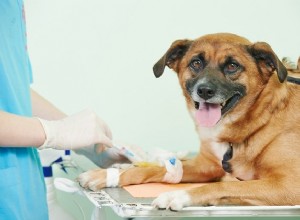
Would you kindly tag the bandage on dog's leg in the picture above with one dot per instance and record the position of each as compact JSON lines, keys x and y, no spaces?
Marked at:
{"x":174,"y":170}
{"x":112,"y":177}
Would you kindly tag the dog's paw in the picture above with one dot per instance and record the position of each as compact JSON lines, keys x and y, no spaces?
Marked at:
{"x":93,"y":179}
{"x":174,"y":200}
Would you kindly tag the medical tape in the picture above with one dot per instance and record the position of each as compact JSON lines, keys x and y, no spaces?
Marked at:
{"x":112,"y":177}
{"x":174,"y":170}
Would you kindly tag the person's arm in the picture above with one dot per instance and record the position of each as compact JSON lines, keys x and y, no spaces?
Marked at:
{"x":54,"y":130}
{"x":97,"y":153}
{"x":42,"y":108}
{"x":84,"y":130}
{"x":17,"y":131}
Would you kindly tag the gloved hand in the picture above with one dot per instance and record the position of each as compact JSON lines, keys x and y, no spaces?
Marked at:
{"x":79,"y":130}
{"x":102,"y":156}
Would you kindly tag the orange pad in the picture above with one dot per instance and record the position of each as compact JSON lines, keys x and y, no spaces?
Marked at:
{"x":152,"y":190}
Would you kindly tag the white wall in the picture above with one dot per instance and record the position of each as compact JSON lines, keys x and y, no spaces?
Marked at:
{"x":99,"y":54}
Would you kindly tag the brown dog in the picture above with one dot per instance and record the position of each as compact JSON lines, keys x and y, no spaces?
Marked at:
{"x":246,"y":111}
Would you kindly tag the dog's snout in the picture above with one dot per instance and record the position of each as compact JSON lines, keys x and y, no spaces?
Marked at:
{"x":206,"y":92}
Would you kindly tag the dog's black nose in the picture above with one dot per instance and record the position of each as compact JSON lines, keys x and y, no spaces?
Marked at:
{"x":206,"y":92}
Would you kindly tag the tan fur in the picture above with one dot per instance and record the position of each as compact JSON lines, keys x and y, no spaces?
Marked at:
{"x":264,"y":128}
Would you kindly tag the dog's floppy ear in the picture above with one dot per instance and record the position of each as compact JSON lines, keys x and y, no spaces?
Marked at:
{"x":267,"y":60}
{"x":171,"y":57}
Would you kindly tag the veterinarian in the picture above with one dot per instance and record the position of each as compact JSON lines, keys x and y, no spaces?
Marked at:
{"x":28,"y":122}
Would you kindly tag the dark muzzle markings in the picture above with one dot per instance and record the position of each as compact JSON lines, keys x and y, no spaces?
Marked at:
{"x":213,"y":96}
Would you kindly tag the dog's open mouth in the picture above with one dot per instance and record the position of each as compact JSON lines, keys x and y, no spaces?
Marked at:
{"x":208,"y":114}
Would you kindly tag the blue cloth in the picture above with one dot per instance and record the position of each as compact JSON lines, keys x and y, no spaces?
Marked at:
{"x":22,"y":187}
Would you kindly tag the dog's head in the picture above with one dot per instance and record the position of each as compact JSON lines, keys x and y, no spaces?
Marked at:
{"x":221,"y":74}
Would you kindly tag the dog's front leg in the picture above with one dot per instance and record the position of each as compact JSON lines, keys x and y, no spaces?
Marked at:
{"x":203,"y":168}
{"x":100,"y":178}
{"x":253,"y":192}
{"x":199,"y":169}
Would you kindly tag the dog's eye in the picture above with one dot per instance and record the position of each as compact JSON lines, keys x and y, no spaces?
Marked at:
{"x":196,"y":65}
{"x":231,"y":68}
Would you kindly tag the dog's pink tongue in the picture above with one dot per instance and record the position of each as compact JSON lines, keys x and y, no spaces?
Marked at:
{"x":208,"y":114}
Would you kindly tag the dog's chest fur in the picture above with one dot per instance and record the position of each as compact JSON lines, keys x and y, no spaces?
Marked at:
{"x":235,"y":160}
{"x":238,"y":163}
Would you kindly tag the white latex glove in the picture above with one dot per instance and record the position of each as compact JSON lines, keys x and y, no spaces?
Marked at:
{"x":79,"y":130}
{"x":103,"y":157}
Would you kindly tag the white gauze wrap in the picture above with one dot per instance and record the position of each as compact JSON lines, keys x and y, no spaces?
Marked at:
{"x":112,"y":177}
{"x":174,"y":170}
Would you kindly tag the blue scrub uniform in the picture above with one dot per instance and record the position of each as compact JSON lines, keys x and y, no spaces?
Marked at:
{"x":22,"y":187}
